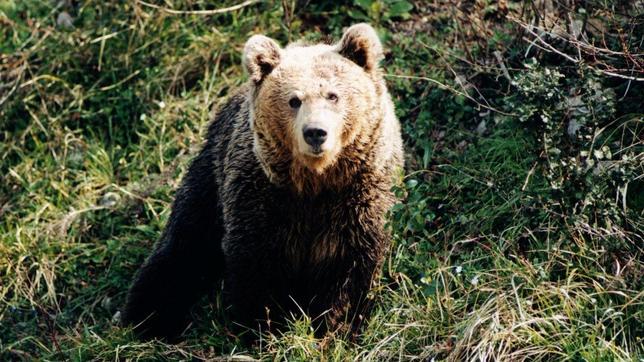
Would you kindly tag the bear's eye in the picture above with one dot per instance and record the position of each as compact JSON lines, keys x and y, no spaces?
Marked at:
{"x":295,"y":103}
{"x":332,"y":97}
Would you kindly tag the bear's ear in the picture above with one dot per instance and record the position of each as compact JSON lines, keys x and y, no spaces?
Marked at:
{"x":261,"y":56}
{"x":361,"y":45}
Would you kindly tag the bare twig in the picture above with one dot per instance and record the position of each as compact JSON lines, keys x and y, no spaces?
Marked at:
{"x":451,"y":89}
{"x":628,"y":86}
{"x":527,"y":178}
{"x":550,"y":48}
{"x":504,"y":69}
{"x":199,"y":12}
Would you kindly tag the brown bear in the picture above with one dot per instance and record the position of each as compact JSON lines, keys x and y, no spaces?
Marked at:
{"x":287,"y":199}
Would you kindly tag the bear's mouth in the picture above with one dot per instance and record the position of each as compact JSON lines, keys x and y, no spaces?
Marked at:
{"x":316,"y":151}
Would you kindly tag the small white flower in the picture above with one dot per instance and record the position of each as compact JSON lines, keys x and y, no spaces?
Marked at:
{"x":475,"y":280}
{"x":599,"y":154}
{"x":459,"y":269}
{"x":161,"y":104}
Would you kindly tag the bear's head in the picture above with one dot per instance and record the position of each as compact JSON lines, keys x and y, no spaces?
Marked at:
{"x":315,"y":108}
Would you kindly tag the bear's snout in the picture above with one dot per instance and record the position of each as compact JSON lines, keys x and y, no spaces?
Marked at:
{"x":314,"y":136}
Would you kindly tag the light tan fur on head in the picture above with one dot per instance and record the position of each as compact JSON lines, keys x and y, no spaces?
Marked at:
{"x":361,"y":45}
{"x":261,"y":55}
{"x":334,"y":89}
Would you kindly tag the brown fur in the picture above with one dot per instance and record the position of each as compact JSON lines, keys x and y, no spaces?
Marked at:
{"x":369,"y":103}
{"x":289,"y":227}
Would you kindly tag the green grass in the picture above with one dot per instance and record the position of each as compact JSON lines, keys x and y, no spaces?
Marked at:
{"x":513,"y":240}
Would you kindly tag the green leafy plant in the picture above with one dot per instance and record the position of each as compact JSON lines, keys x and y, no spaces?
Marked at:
{"x":587,"y":166}
{"x":379,"y":11}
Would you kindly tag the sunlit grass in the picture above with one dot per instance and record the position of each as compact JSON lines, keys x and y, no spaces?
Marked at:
{"x":486,"y":263}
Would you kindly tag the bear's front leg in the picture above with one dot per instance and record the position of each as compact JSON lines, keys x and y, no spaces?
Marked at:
{"x":362,"y":235}
{"x":253,"y":285}
{"x":347,"y":302}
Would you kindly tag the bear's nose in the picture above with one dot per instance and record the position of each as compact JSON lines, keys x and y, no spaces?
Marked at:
{"x":314,"y":136}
